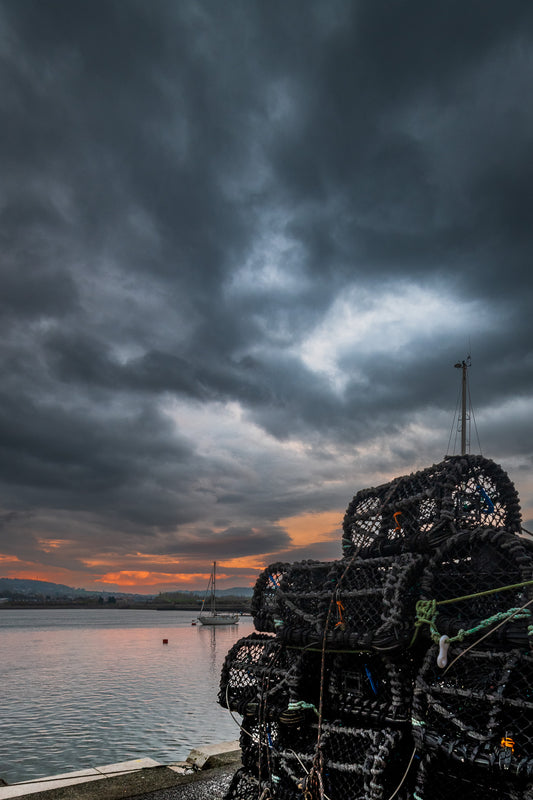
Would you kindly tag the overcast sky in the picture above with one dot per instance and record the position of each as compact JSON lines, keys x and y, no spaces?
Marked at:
{"x":243,"y":244}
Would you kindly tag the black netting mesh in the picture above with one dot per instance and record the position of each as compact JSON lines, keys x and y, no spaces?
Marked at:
{"x":367,"y":687}
{"x":435,"y":779}
{"x":245,"y":787}
{"x":259,"y":742}
{"x":243,"y":670}
{"x":356,"y":762}
{"x":342,"y":697}
{"x":355,"y":603}
{"x":418,"y":511}
{"x":264,"y":597}
{"x":480,"y":710}
{"x":261,"y":677}
{"x":476,"y":563}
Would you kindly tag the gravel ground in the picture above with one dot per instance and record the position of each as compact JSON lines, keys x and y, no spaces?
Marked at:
{"x":213,"y":787}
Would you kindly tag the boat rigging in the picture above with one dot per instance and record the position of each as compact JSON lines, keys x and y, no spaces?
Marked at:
{"x":213,"y":617}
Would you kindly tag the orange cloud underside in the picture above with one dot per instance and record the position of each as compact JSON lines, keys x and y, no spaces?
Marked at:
{"x":111,"y":559}
{"x":48,"y":545}
{"x":311,"y":528}
{"x":5,"y":559}
{"x":149,"y":572}
{"x":138,"y":578}
{"x":254,"y":564}
{"x":31,"y":571}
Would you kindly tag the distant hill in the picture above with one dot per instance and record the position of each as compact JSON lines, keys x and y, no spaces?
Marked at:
{"x":20,"y":586}
{"x":237,"y":591}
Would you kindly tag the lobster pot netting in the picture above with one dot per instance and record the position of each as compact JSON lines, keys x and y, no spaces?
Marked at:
{"x":243,"y":670}
{"x":262,"y":678}
{"x":478,"y":711}
{"x":355,"y":604}
{"x":244,"y":786}
{"x":425,"y":553}
{"x":303,"y":597}
{"x":416,"y":512}
{"x":368,"y":688}
{"x":472,"y":565}
{"x":264,"y":596}
{"x":258,"y":742}
{"x":359,"y":764}
{"x":435,"y":780}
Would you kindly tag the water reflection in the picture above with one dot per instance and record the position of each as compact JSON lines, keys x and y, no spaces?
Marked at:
{"x":210,"y":635}
{"x":85,"y":689}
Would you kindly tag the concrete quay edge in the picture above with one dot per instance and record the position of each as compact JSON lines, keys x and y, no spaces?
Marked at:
{"x":129,"y":779}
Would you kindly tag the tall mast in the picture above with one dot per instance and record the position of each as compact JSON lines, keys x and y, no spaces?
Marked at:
{"x":463,"y":365}
{"x":214,"y":586}
{"x":463,"y":412}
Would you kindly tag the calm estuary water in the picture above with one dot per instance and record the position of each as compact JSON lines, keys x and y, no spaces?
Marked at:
{"x":83,"y":688}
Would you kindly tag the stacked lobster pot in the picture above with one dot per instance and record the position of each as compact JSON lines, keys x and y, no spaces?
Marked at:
{"x":361,"y":681}
{"x":473,"y":697}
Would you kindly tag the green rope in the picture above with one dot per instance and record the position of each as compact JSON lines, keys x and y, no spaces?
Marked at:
{"x":485,"y":623}
{"x":426,"y":614}
{"x":301,"y":705}
{"x":482,"y":594}
{"x":329,"y":650}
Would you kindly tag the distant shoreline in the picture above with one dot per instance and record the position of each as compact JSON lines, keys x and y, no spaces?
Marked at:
{"x":193,"y":607}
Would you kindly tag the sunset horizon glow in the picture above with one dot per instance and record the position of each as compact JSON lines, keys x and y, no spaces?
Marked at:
{"x":304,"y":529}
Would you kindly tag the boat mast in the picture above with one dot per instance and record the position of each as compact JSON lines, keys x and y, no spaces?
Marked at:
{"x":463,"y":365}
{"x":214,"y":586}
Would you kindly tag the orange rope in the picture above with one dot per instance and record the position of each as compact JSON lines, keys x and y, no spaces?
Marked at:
{"x":340,"y":609}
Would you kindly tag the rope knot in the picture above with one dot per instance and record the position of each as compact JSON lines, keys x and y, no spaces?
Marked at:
{"x":460,"y":635}
{"x":314,"y":782}
{"x":426,"y":614}
{"x":340,"y":609}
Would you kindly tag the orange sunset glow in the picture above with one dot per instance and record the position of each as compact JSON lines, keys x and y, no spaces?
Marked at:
{"x":306,"y":528}
{"x":8,"y":559}
{"x":130,"y":578}
{"x":151,"y":573}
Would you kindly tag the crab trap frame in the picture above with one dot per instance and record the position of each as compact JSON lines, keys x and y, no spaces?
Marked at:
{"x":402,"y":670}
{"x":417,"y":512}
{"x":354,"y":603}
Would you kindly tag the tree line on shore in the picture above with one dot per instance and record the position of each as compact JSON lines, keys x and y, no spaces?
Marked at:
{"x":24,"y":594}
{"x":161,"y":602}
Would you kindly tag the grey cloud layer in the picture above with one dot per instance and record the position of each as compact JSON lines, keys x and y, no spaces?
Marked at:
{"x":187,"y":189}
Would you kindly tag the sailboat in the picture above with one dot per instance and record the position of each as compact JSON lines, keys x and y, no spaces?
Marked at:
{"x":212,"y":617}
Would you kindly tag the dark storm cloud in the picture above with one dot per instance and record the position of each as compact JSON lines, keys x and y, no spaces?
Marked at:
{"x":237,"y":541}
{"x":208,"y":207}
{"x":68,"y":457}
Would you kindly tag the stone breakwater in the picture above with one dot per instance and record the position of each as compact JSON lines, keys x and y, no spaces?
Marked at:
{"x":206,"y":773}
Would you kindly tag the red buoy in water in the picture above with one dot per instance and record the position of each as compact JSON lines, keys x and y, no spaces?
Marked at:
{"x":165,"y":641}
